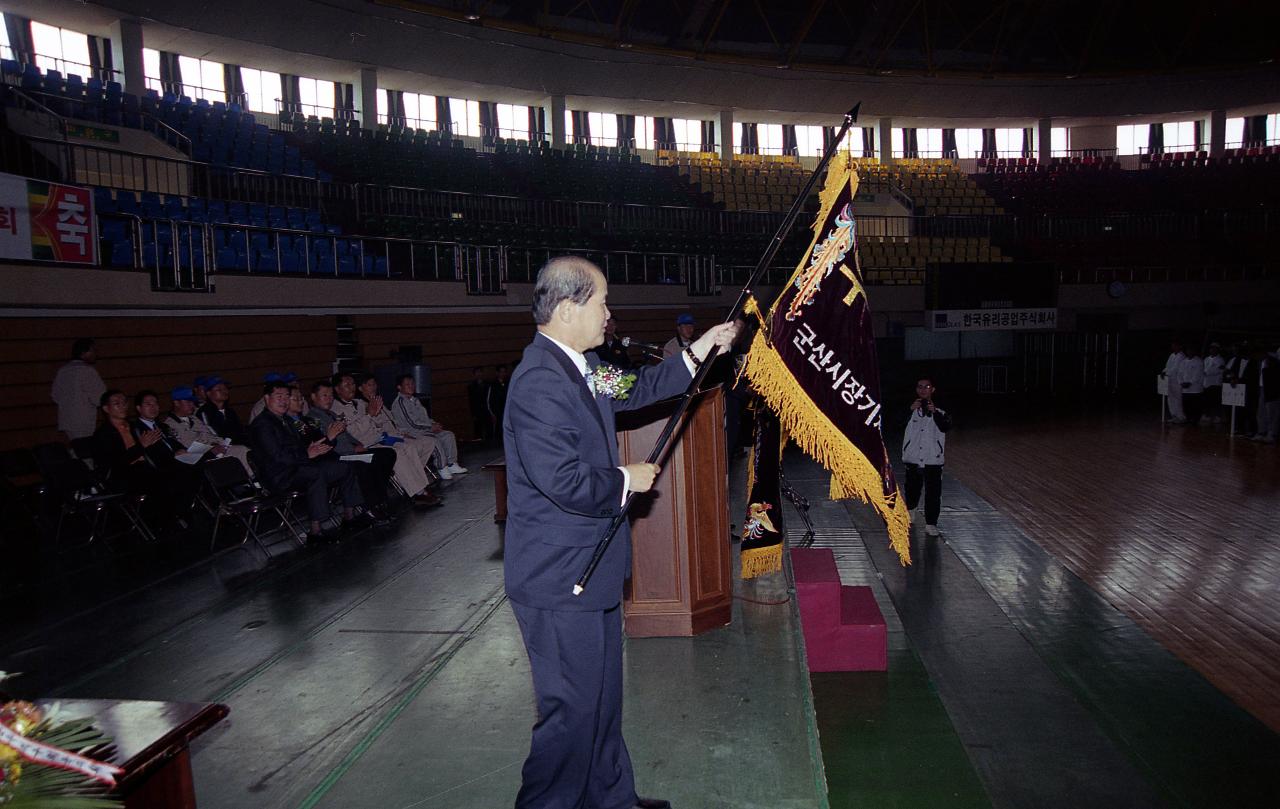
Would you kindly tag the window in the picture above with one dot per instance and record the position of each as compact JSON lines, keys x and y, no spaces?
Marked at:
{"x":644,"y":132}
{"x":1273,"y":128}
{"x":809,"y":140}
{"x":513,"y":121}
{"x":769,"y":137}
{"x":895,"y":142}
{"x":689,"y":134}
{"x":419,"y":109}
{"x":604,"y":128}
{"x":968,"y":143}
{"x":6,"y":50}
{"x":1059,"y":141}
{"x":465,"y":116}
{"x":60,"y":49}
{"x":261,"y":88}
{"x":1180,"y":136}
{"x":316,"y":97}
{"x":929,"y":142}
{"x":1235,"y":132}
{"x":202,"y":79}
{"x":1009,"y":143}
{"x":1132,"y":138}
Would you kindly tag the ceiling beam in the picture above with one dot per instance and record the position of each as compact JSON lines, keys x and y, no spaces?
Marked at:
{"x":897,"y":33}
{"x":715,"y":26}
{"x":815,"y":8}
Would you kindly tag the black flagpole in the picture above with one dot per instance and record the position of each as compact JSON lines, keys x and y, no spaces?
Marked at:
{"x":673,"y":423}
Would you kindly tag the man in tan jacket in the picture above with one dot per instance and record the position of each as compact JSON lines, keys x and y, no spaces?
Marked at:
{"x":77,"y":387}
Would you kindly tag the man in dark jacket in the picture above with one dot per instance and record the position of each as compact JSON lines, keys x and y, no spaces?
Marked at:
{"x":288,"y":463}
{"x":565,"y":485}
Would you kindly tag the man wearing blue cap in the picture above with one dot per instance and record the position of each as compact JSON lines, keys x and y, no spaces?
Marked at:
{"x":683,"y":338}
{"x":184,"y":427}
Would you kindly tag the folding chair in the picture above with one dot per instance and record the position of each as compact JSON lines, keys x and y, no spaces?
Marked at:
{"x":77,"y":492}
{"x":239,"y":499}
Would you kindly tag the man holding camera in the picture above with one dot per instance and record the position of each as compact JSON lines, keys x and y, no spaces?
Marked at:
{"x":923,"y":452}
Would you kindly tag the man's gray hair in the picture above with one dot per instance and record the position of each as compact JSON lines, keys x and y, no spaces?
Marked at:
{"x":564,"y":278}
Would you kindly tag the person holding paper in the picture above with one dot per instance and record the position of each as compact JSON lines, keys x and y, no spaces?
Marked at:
{"x":186,"y":428}
{"x":409,"y":470}
{"x":373,"y":475}
{"x":290,"y":462}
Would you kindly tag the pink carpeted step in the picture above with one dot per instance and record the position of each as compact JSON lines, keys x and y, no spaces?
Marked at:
{"x":843,"y":628}
{"x":858,"y":643}
{"x":817,"y":585}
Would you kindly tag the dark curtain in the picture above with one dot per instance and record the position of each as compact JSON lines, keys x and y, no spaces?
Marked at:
{"x":100,"y":59}
{"x":1028,"y":141}
{"x":19,"y":29}
{"x":789,"y":144}
{"x":234,"y":84}
{"x":344,"y":101}
{"x":170,"y":73}
{"x":708,"y":136}
{"x":750,"y":140}
{"x":868,"y":142}
{"x":1255,"y":130}
{"x":581,"y":126}
{"x":1198,"y":136}
{"x":626,"y":131}
{"x":989,"y":143}
{"x":828,"y":137}
{"x":444,"y":120}
{"x":290,"y":93}
{"x":537,"y":124}
{"x":949,"y":148}
{"x":396,"y":116}
{"x":910,"y":144}
{"x":664,"y":134}
{"x":488,"y":121}
{"x":1155,"y":139}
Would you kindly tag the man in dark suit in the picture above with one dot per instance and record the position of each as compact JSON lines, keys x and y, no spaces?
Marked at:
{"x":565,"y":484}
{"x":288,"y":462}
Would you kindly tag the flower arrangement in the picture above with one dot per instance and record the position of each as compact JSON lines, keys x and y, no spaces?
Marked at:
{"x":44,"y":761}
{"x":611,"y":381}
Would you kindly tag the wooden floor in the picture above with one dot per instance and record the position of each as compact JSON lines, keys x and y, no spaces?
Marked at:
{"x":1178,"y":528}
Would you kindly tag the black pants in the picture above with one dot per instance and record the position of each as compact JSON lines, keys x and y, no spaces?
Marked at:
{"x":315,"y":477}
{"x":931,"y":478}
{"x":374,"y":475}
{"x":1193,"y":407}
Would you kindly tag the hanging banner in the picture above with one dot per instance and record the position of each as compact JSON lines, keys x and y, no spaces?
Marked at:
{"x":42,"y":221}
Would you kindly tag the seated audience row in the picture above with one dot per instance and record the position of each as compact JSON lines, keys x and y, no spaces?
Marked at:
{"x":342,"y":441}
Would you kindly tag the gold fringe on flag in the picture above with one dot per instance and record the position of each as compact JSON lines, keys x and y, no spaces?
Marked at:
{"x":852,"y":474}
{"x":759,"y":561}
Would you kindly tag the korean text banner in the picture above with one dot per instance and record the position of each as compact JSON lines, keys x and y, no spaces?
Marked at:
{"x":41,"y":221}
{"x":814,"y":362}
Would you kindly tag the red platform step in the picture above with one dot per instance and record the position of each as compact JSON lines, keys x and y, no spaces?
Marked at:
{"x":843,"y":628}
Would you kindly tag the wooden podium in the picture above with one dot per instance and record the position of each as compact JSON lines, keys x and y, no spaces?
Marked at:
{"x":681,"y":579}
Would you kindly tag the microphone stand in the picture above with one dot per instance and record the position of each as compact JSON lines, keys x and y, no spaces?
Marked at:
{"x":665,"y":439}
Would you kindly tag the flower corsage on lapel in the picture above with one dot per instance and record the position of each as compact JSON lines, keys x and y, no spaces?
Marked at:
{"x":610,"y":381}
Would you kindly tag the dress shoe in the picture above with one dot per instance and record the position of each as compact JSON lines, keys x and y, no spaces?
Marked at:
{"x":652,"y":803}
{"x":427,"y":500}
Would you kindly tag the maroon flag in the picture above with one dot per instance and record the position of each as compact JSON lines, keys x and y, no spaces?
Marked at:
{"x":814,"y":362}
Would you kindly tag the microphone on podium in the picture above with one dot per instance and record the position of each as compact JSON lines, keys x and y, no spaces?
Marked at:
{"x":627,"y":342}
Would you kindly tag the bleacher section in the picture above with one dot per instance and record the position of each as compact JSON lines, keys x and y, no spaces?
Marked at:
{"x":1098,"y":185}
{"x":902,"y":260}
{"x":244,"y":237}
{"x":219,"y":134}
{"x":391,"y":156}
{"x":751,"y":183}
{"x":936,"y":187}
